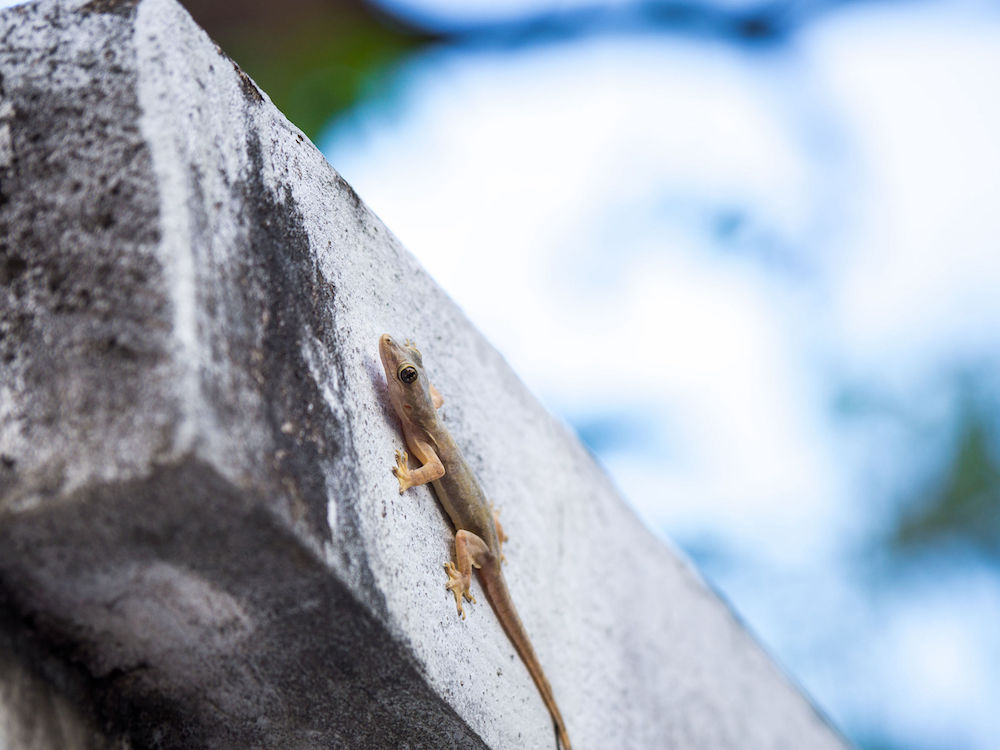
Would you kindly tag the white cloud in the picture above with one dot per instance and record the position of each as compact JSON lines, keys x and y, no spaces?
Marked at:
{"x":936,"y":659}
{"x":920,"y":100}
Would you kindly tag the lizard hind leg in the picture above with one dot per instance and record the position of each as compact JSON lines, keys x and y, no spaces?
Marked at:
{"x":470,"y":551}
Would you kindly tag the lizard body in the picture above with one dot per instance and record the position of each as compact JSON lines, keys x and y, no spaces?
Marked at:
{"x":478,"y":534}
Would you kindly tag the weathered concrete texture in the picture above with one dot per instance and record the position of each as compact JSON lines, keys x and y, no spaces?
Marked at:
{"x":201,"y":544}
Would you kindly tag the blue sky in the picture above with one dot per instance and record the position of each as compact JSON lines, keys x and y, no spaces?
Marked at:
{"x":692,"y":250}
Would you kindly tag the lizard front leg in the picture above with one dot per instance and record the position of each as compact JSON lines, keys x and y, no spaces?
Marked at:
{"x":431,"y":469}
{"x":470,"y":551}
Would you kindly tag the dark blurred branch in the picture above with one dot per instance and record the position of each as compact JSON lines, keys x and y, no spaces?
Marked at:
{"x":763,"y":24}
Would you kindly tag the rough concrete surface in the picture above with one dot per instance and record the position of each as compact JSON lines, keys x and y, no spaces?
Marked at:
{"x":201,"y":544}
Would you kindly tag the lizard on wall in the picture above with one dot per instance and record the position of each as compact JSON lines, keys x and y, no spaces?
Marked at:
{"x":478,"y":534}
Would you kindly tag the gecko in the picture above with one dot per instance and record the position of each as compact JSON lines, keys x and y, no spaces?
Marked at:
{"x":478,"y":534}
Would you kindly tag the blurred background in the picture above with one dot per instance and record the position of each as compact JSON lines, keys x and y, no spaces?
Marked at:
{"x":750,"y":251}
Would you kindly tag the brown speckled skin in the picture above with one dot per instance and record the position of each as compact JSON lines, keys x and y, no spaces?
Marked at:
{"x":477,"y":537}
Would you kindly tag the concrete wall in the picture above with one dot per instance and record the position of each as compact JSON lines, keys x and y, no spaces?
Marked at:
{"x":201,"y":543}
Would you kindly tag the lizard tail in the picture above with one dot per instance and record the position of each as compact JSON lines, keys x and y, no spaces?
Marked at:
{"x":499,"y":596}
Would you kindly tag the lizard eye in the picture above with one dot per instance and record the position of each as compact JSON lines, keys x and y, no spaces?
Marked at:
{"x":407,"y":373}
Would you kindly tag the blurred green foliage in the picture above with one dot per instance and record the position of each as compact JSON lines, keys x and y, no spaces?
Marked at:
{"x":322,"y":65}
{"x":963,"y":511}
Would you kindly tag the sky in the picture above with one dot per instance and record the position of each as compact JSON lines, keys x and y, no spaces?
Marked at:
{"x":751,"y":278}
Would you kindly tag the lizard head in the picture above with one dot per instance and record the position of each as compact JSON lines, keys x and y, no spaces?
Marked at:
{"x":409,"y":389}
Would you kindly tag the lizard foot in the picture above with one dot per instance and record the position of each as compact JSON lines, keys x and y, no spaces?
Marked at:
{"x":459,"y":586}
{"x":402,"y":471}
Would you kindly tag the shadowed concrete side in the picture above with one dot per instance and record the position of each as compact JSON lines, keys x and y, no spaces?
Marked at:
{"x":179,"y":614}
